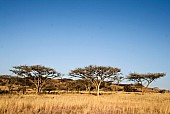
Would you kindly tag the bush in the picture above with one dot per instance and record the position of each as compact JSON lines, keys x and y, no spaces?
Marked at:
{"x":3,"y":91}
{"x":49,"y":89}
{"x":162,"y":91}
{"x":128,"y":88}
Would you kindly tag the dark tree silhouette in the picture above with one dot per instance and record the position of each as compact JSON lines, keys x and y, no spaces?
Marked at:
{"x":9,"y":81}
{"x":95,"y":74}
{"x":150,"y":77}
{"x":141,"y":78}
{"x":88,"y":85}
{"x":37,"y":74}
{"x":117,"y":79}
{"x":136,"y":78}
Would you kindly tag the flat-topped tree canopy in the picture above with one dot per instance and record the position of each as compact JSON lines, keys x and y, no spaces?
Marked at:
{"x":95,"y":74}
{"x":98,"y":72}
{"x":135,"y":77}
{"x":37,"y":74}
{"x":35,"y":71}
{"x":149,"y":77}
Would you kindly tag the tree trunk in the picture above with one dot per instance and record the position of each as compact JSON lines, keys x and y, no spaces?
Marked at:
{"x":10,"y":89}
{"x":67,"y":90}
{"x":142,"y":90}
{"x":89,"y":89}
{"x":98,"y":90}
{"x":38,"y":91}
{"x":24,"y":90}
{"x":38,"y":88}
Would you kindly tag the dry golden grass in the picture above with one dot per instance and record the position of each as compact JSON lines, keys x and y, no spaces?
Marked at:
{"x":118,"y":103}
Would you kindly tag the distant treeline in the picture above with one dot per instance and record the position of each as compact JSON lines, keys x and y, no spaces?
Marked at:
{"x":41,"y":79}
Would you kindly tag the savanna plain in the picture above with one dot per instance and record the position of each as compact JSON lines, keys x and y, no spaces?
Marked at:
{"x":115,"y":103}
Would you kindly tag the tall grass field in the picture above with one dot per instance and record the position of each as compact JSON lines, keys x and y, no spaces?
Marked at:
{"x":117,"y":103}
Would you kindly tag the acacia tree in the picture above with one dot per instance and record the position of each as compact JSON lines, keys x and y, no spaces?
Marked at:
{"x":95,"y":74}
{"x":37,"y":74}
{"x":141,"y":78}
{"x":150,"y":77}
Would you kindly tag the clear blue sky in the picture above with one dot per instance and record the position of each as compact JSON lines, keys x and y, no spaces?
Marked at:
{"x":133,"y":35}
